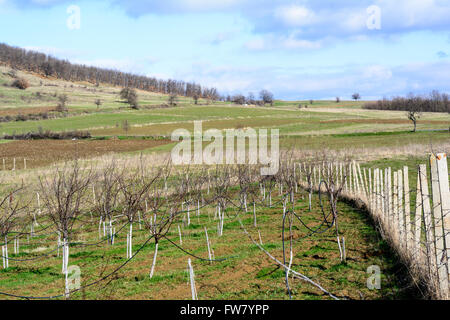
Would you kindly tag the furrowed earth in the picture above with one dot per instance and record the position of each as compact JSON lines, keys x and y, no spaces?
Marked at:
{"x":374,"y":138}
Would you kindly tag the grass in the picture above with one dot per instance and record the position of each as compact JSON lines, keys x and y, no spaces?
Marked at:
{"x":246,"y":274}
{"x":322,"y":118}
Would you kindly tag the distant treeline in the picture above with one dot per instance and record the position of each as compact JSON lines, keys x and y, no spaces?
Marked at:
{"x":32,"y":61}
{"x":434,"y":102}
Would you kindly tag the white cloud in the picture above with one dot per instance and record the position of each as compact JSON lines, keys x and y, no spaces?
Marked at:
{"x":316,"y":19}
{"x":293,"y":43}
{"x":372,"y":81}
{"x":280,"y":42}
{"x":377,"y":72}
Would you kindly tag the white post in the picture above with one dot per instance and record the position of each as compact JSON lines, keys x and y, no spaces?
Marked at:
{"x":401,"y":215}
{"x":445,"y":201}
{"x":188,"y":215}
{"x":418,"y":219}
{"x":179,"y":233}
{"x":209,"y":247}
{"x":128,"y":245}
{"x":427,"y":218}
{"x":130,"y":250}
{"x":254,"y":214}
{"x":409,"y":238}
{"x":154,"y":260}
{"x":441,"y":255}
{"x":198,"y":208}
{"x":395,"y":204}
{"x":6,"y":252}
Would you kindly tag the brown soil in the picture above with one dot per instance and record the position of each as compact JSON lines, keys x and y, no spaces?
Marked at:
{"x":43,"y":152}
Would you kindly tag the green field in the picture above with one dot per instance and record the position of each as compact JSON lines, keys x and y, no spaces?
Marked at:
{"x":322,"y":118}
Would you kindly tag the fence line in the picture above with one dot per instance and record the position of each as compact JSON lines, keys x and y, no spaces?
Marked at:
{"x":15,"y":164}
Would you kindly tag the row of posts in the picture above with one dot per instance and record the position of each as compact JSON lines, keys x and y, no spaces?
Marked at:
{"x":15,"y":164}
{"x":420,"y":234}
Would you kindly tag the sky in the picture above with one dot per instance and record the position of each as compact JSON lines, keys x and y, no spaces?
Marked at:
{"x":304,"y":49}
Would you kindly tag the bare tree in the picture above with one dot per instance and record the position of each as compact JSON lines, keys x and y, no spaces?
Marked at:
{"x":251,"y":98}
{"x":98,"y":103}
{"x":414,"y":115}
{"x":62,"y":103}
{"x":11,"y":209}
{"x":126,"y":125}
{"x":134,"y":189}
{"x":130,"y":96}
{"x":195,"y":97}
{"x":173,"y":99}
{"x":63,"y":194}
{"x":106,"y":195}
{"x":266,"y":96}
{"x":238,"y":99}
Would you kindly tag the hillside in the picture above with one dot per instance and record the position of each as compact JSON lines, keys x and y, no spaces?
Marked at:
{"x":323,"y":123}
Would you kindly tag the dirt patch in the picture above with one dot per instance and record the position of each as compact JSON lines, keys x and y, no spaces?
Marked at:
{"x":43,"y":152}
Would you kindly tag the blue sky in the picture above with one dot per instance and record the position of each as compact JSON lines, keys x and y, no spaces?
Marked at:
{"x":297,"y":49}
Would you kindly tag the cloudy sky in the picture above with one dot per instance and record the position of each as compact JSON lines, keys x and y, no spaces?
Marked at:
{"x":298,"y":49}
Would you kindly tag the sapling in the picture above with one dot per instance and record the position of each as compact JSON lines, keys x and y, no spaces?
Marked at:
{"x":192,"y":278}
{"x":63,"y":193}
{"x":179,"y":233}
{"x":10,"y":217}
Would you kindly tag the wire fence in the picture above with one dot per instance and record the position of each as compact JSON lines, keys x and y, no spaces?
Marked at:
{"x":419,"y":230}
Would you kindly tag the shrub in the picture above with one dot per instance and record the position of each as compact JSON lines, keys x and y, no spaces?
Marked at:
{"x":41,"y":134}
{"x":21,"y":84}
{"x":62,"y":103}
{"x":130,"y":96}
{"x":173,"y":100}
